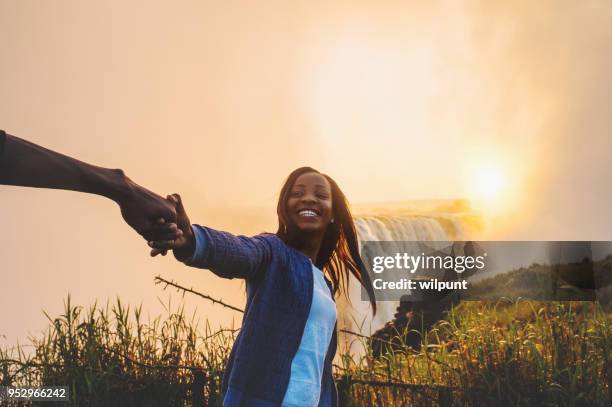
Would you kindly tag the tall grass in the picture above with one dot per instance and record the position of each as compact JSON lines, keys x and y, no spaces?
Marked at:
{"x":110,"y":356}
{"x":504,"y":354}
{"x":519,"y":353}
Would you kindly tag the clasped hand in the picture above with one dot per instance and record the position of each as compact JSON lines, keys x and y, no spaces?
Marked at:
{"x":179,"y":235}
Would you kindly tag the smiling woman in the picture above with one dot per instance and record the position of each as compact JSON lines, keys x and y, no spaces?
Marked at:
{"x":309,"y":204}
{"x":288,"y":339}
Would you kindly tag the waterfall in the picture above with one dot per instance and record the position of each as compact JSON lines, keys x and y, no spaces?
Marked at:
{"x":356,"y":316}
{"x":408,"y":228}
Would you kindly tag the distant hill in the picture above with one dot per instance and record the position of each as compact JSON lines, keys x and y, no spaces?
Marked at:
{"x":536,"y":282}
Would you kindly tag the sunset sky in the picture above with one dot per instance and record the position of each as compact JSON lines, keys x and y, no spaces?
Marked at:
{"x":507,"y":105}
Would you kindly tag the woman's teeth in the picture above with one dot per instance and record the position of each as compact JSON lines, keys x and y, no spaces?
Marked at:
{"x":307,"y":213}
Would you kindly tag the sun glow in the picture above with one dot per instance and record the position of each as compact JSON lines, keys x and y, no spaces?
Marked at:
{"x":489,"y":185}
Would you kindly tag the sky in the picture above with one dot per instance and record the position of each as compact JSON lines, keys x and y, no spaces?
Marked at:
{"x":505,"y":104}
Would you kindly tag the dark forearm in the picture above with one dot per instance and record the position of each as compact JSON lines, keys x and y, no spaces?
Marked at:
{"x":27,"y":164}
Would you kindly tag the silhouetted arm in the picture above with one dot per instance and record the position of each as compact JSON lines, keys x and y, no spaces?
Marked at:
{"x":27,"y":164}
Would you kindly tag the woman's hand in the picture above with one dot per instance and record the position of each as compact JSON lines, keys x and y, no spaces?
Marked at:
{"x":184,"y":244}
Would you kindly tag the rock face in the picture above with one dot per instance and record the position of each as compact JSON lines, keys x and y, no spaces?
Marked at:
{"x":411,"y":321}
{"x":414,"y":319}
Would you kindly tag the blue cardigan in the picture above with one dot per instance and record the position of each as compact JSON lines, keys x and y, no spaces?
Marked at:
{"x":279,"y":286}
{"x":2,"y":141}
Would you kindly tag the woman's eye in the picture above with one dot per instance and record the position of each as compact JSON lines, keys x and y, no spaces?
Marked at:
{"x":296,"y":193}
{"x":322,"y":196}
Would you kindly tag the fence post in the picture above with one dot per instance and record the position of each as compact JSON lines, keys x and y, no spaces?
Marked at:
{"x":212,"y":390}
{"x":445,"y":397}
{"x":197,"y":388}
{"x":344,"y":387}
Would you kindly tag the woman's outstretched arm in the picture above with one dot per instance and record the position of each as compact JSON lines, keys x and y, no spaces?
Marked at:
{"x":223,"y":253}
{"x":27,"y":164}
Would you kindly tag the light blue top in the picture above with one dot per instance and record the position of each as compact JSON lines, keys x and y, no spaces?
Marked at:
{"x":307,"y":366}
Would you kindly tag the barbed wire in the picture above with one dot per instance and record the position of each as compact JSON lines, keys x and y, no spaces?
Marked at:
{"x":161,"y":280}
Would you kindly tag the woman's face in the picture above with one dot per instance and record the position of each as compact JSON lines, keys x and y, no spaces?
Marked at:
{"x":309,"y":205}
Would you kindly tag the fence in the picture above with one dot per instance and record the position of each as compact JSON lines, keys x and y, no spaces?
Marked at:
{"x":351,"y":391}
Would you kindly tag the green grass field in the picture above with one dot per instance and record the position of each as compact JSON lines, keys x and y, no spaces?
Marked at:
{"x":507,"y":353}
